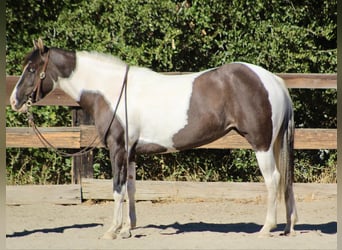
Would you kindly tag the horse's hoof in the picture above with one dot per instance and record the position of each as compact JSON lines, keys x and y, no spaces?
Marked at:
{"x":264,"y":234}
{"x":109,"y":236}
{"x":287,"y":233}
{"x":125,"y":234}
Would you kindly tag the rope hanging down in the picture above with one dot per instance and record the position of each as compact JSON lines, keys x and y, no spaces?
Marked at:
{"x":91,"y":146}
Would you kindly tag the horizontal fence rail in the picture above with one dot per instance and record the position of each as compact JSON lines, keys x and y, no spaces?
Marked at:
{"x":79,"y":137}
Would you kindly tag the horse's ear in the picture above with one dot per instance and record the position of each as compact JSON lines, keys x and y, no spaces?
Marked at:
{"x":35,"y":46}
{"x":39,"y":45}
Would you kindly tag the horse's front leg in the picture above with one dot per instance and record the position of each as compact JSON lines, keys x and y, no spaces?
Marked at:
{"x":119,"y":188}
{"x":131,"y":215}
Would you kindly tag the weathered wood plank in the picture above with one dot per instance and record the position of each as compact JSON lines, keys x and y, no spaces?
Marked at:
{"x":292,"y":80}
{"x":315,"y":138}
{"x":33,"y":194}
{"x":78,"y":137}
{"x":82,"y":165}
{"x":304,"y":139}
{"x":231,"y":140}
{"x":59,"y":137}
{"x":170,"y":190}
{"x":89,"y":136}
{"x":310,"y":81}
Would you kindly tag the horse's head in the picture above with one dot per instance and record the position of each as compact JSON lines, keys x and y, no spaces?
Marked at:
{"x":36,"y":81}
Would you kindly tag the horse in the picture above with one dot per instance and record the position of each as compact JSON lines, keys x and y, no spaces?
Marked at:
{"x":167,"y":113}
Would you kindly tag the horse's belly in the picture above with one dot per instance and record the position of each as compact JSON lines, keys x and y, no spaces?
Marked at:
{"x":161,"y":131}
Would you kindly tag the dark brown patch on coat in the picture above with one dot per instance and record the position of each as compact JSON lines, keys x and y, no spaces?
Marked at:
{"x":150,"y":148}
{"x":96,"y":105}
{"x":229,"y":97}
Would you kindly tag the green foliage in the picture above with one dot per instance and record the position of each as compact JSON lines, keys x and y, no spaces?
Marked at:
{"x":322,"y":167}
{"x":181,"y":35}
{"x":27,"y":166}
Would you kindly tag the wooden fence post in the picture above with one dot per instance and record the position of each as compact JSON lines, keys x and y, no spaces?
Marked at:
{"x":82,"y":166}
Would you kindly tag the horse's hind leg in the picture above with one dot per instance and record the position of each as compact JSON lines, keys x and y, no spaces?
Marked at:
{"x":291,"y":211}
{"x":271,"y":176}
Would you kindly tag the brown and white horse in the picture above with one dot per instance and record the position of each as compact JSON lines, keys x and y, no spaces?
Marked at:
{"x":171,"y":113}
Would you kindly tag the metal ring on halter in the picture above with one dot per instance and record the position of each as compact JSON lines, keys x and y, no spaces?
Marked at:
{"x":42,"y":75}
{"x":29,"y":102}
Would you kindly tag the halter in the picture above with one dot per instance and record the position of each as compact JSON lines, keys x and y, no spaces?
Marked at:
{"x":36,"y":90}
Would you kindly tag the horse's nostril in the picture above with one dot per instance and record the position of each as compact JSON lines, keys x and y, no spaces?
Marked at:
{"x":13,"y":102}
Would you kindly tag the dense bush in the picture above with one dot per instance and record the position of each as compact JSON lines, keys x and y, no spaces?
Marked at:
{"x":282,"y":36}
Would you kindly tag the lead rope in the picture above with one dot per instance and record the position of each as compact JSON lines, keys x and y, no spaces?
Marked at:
{"x":91,"y":146}
{"x":126,"y":132}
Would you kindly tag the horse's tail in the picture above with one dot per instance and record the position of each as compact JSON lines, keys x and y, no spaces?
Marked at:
{"x":286,"y":152}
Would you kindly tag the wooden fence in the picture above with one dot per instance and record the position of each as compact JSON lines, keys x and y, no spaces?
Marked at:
{"x":83,"y":131}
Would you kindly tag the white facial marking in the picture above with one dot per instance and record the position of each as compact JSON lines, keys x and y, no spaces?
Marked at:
{"x":13,"y":98}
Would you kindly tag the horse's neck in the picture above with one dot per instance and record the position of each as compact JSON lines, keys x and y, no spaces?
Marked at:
{"x":94,"y":73}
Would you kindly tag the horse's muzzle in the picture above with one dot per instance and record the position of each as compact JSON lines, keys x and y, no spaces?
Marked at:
{"x":19,"y":108}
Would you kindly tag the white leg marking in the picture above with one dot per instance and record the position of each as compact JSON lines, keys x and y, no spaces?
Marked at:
{"x":291,"y":211}
{"x":117,"y":217}
{"x":271,"y":175}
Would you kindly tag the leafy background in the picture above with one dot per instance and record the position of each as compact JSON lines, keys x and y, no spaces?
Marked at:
{"x":293,"y":36}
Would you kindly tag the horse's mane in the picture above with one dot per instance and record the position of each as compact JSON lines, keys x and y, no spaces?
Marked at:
{"x":104,"y":57}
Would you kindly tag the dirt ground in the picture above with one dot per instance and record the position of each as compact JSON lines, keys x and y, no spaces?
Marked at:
{"x":190,"y":224}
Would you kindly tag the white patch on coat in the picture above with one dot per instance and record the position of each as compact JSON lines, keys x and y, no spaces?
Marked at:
{"x":276,"y":88}
{"x":13,"y":98}
{"x":94,"y":72}
{"x":157,"y":103}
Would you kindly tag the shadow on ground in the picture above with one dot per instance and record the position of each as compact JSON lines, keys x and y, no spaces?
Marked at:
{"x":250,"y":228}
{"x":327,"y":228}
{"x":52,"y":230}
